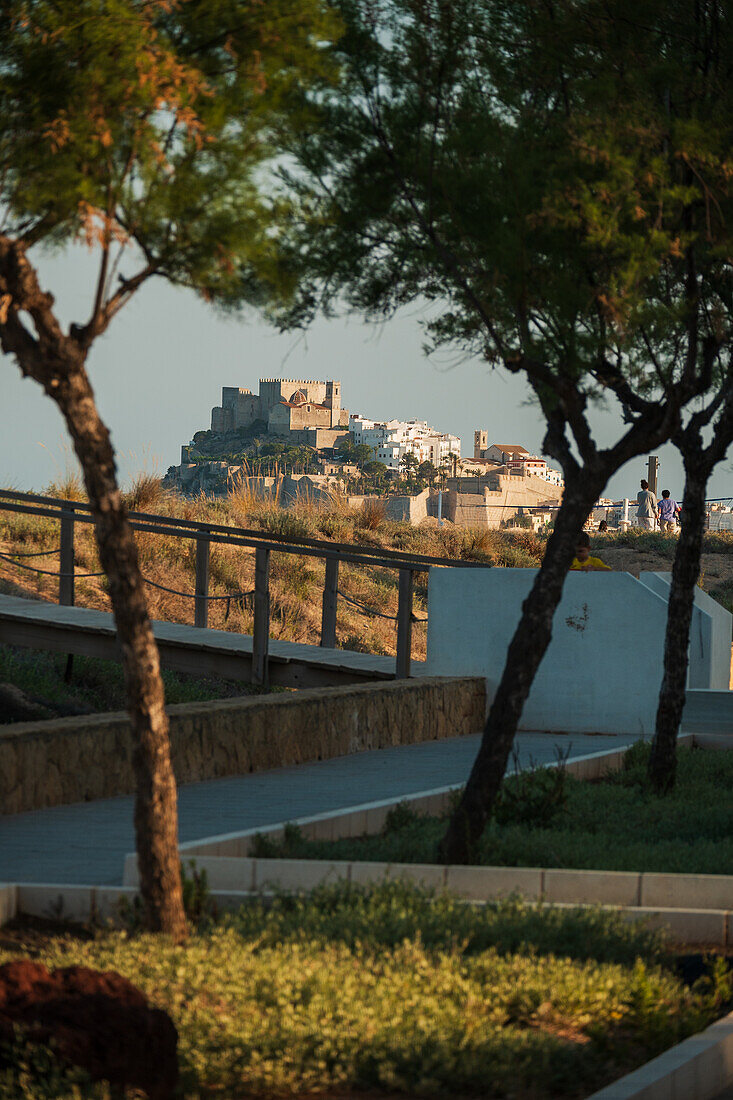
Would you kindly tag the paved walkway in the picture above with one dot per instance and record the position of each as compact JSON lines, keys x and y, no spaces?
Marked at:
{"x":87,"y":842}
{"x":224,"y":653}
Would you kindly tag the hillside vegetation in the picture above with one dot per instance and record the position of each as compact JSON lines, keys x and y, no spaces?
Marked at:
{"x":297,"y":582}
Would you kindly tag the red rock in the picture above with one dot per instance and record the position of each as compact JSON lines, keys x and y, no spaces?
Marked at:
{"x":99,"y":1021}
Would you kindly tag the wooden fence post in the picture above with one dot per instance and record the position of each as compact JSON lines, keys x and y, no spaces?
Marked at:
{"x":404,"y":624}
{"x":201,"y":602}
{"x":261,"y":631}
{"x":330,"y":603}
{"x":66,"y":557}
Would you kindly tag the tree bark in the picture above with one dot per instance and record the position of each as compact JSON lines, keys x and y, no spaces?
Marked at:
{"x":57,"y":362}
{"x":662,"y":767}
{"x":156,"y":813}
{"x":526,"y":650}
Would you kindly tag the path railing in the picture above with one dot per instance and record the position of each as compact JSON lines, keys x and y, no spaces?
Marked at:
{"x":70,"y":512}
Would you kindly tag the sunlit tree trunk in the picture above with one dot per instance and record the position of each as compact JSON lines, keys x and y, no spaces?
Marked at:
{"x":57,"y":362}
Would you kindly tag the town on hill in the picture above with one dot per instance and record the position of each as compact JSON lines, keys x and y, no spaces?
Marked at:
{"x":293,"y":439}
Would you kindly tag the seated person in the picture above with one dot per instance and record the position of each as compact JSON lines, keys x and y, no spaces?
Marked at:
{"x":582,"y":560}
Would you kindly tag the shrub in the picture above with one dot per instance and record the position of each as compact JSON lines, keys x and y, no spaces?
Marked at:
{"x":69,"y":486}
{"x":391,"y":988}
{"x":371,"y":515}
{"x":534,"y":796}
{"x":146,"y":493}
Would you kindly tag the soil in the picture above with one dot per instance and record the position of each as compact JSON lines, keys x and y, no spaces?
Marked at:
{"x":716,"y":569}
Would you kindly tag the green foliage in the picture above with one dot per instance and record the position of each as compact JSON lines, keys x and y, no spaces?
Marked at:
{"x":723,"y":593}
{"x":96,"y":685}
{"x":31,"y":1071}
{"x":543,"y":176}
{"x":634,"y":538}
{"x":199,"y":906}
{"x":286,"y":523}
{"x":154,"y":123}
{"x":390,"y":989}
{"x":534,"y":797}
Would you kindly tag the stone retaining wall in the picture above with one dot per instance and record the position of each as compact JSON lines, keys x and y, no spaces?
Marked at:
{"x":69,"y":760}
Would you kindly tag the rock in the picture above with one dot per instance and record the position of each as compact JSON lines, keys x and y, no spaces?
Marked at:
{"x":98,"y":1021}
{"x":15,"y":706}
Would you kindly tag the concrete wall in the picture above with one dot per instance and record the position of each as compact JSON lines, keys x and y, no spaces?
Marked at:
{"x":710,"y":636}
{"x":70,"y":760}
{"x":603,"y":669}
{"x":409,"y":509}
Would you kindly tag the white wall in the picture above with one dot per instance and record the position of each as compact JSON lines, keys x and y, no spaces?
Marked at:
{"x":710,"y":636}
{"x":603,"y":669}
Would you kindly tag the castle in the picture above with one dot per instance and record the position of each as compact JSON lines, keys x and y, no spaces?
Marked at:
{"x":302,"y":410}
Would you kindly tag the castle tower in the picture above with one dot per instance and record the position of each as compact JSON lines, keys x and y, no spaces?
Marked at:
{"x":333,"y":402}
{"x":480,"y":443}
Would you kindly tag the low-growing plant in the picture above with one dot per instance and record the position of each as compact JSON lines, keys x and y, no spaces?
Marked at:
{"x":96,"y":685}
{"x":146,"y":493}
{"x":515,"y":557}
{"x":723,"y":593}
{"x":612,"y":824}
{"x":529,"y":543}
{"x":533,"y":796}
{"x":199,"y":906}
{"x":371,"y":515}
{"x":391,"y":989}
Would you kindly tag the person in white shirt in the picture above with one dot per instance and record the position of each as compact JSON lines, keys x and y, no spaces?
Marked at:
{"x":646,"y":512}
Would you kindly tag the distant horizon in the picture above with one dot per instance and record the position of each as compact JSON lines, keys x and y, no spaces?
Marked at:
{"x":161,"y":367}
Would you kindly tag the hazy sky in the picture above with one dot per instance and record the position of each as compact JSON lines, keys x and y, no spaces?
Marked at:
{"x":166,"y":356}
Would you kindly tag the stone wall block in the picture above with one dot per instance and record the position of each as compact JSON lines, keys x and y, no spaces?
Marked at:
{"x":89,"y":757}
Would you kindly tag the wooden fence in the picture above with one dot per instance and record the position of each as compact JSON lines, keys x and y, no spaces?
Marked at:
{"x":70,"y":512}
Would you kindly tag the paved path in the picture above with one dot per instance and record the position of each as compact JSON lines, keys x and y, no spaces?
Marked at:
{"x":191,"y":649}
{"x":87,"y":842}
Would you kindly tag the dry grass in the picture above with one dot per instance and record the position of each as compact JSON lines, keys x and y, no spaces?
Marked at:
{"x":296,"y":583}
{"x":146,"y":493}
{"x":372,"y":515}
{"x":69,"y":486}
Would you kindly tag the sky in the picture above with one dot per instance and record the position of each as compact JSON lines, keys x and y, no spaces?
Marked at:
{"x":161,"y":366}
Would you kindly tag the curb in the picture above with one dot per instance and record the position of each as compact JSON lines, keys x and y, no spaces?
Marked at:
{"x":697,"y":1069}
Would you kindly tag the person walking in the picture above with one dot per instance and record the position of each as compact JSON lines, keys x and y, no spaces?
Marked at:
{"x":646,"y":512}
{"x":668,"y":511}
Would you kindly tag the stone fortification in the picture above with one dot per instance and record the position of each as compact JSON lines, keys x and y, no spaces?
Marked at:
{"x":282,"y":406}
{"x":492,"y":500}
{"x":69,"y":760}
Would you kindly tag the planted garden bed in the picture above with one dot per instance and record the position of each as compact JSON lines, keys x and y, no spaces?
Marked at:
{"x":546,"y":818}
{"x":392,"y":991}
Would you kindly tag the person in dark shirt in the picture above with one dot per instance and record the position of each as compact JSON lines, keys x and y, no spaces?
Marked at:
{"x":668,"y":511}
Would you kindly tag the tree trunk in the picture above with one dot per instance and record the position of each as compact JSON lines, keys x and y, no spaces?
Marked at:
{"x":685,"y":572}
{"x":526,"y":650}
{"x":156,"y":815}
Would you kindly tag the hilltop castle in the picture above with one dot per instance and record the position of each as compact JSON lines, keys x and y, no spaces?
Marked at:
{"x":302,"y":410}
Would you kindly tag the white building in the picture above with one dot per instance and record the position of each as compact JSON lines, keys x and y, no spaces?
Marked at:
{"x":533,"y":464}
{"x":391,"y":440}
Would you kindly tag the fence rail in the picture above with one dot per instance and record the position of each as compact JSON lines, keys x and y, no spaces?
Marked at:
{"x":70,"y":512}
